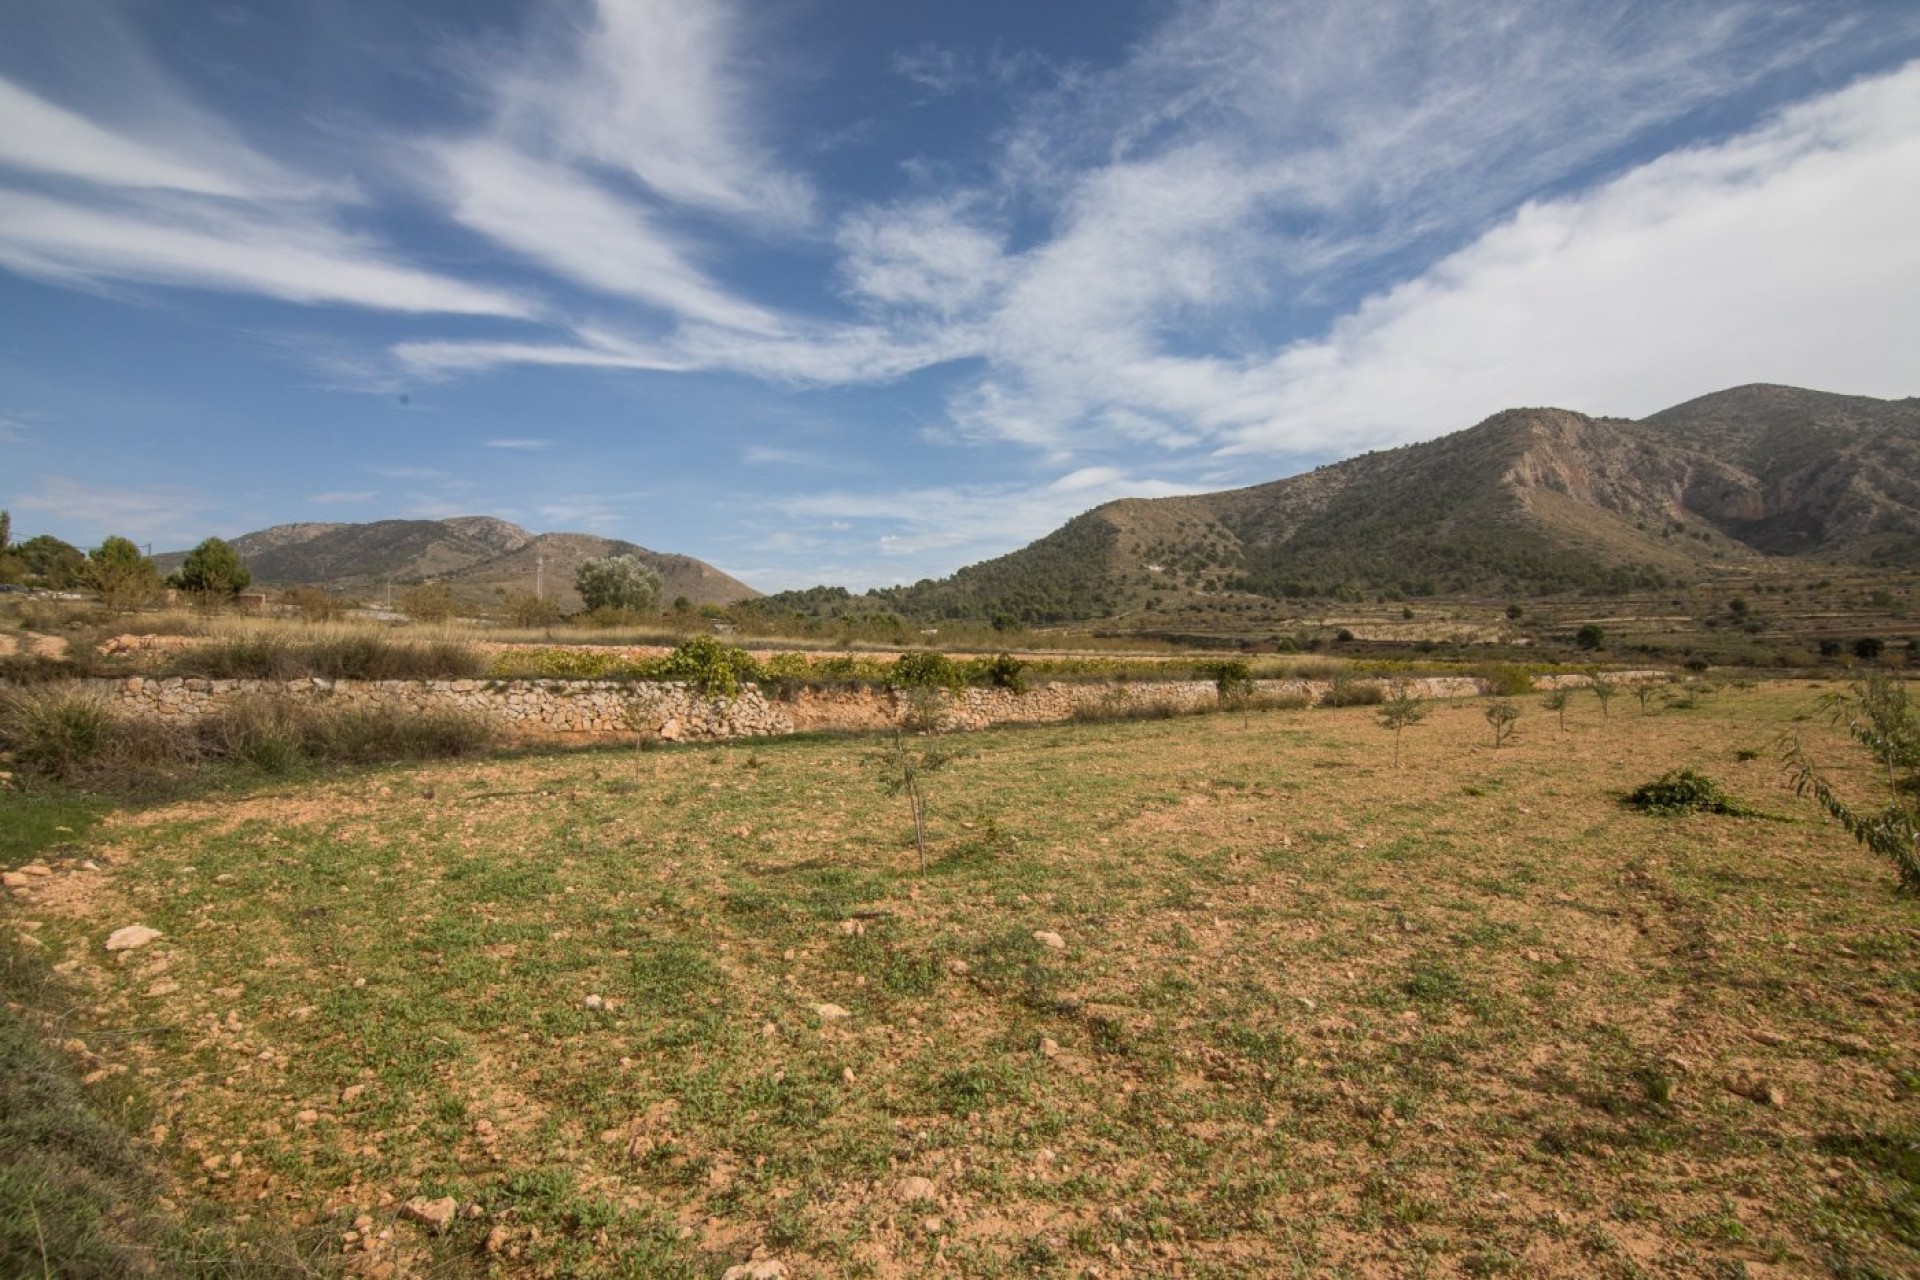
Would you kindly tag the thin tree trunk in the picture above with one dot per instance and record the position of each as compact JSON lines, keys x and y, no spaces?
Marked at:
{"x":919,"y":827}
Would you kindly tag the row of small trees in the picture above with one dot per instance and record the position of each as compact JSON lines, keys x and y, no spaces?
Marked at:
{"x":116,"y":570}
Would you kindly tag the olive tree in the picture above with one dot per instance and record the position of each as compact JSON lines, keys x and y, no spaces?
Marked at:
{"x":618,"y":582}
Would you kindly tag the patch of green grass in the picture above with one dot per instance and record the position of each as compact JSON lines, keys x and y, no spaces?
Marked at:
{"x":33,"y":822}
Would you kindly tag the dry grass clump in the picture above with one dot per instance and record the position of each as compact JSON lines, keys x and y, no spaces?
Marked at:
{"x":62,"y":734}
{"x":345,"y":655}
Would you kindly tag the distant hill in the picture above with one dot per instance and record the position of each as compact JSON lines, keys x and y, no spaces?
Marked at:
{"x":1528,"y":501}
{"x":481,"y":558}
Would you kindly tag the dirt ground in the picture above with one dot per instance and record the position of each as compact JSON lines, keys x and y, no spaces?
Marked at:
{"x":1219,"y":996}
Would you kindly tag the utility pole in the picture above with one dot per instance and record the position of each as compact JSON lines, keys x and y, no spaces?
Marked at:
{"x":539,"y":577}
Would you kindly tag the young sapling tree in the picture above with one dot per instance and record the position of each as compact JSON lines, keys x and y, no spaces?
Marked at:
{"x":1603,"y":689}
{"x":1556,"y":701}
{"x":902,"y":773}
{"x":1501,"y":713}
{"x":1878,"y":715}
{"x":1402,"y":708}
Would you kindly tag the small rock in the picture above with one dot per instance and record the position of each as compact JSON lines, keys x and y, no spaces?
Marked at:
{"x":134,"y":935}
{"x":852,"y":928}
{"x":759,"y":1269}
{"x":594,"y":1002}
{"x":1852,"y":1044}
{"x":831,"y":1012}
{"x":846,"y":1074}
{"x":1306,"y":1002}
{"x":26,"y":940}
{"x":307,"y":1116}
{"x":37,"y":869}
{"x":932,"y":1226}
{"x":352,"y":1092}
{"x":958,"y":968}
{"x":164,"y":987}
{"x":435,"y":1215}
{"x":1764,"y":1092}
{"x":1048,"y":938}
{"x":497,"y":1239}
{"x":1049,"y":1046}
{"x":1765,"y":1036}
{"x":225,"y":877}
{"x":915,"y":1189}
{"x":15,"y":880}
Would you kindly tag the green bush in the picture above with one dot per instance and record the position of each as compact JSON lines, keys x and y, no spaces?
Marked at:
{"x":1001,"y":671}
{"x":924,"y":669}
{"x":1683,"y":791}
{"x":1504,"y":680}
{"x":715,"y":669}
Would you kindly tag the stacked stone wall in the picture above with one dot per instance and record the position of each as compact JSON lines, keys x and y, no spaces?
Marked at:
{"x":677,"y":712}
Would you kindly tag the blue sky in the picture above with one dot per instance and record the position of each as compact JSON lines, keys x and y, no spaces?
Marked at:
{"x":859,"y":292}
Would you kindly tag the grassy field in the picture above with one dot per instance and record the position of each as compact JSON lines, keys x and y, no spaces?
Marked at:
{"x":660,"y":1013}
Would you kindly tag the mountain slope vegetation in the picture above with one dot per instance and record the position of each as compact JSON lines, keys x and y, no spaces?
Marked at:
{"x":1530,"y":501}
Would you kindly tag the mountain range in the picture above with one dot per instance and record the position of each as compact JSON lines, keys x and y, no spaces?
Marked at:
{"x":1530,"y":501}
{"x":482,"y":559}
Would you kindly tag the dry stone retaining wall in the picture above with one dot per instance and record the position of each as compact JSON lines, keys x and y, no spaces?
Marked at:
{"x":679,"y":713}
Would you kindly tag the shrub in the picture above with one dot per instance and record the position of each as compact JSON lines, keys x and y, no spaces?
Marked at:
{"x":67,"y":735}
{"x":313,"y":604}
{"x":428,"y":602}
{"x":1590,"y":637}
{"x":1348,"y":692}
{"x":924,"y":669}
{"x":714,"y":669}
{"x":54,"y":732}
{"x":378,"y":734}
{"x":529,"y":610}
{"x":1682,"y":791}
{"x":1504,"y":680}
{"x":262,"y":731}
{"x":263,"y":656}
{"x":1001,"y":671}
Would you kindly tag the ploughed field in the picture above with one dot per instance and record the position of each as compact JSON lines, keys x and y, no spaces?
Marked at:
{"x":1214,"y":996}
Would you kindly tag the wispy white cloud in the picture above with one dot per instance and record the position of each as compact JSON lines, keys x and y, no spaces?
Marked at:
{"x":341,"y":497}
{"x":663,"y":90}
{"x":12,"y":430}
{"x":522,"y":445}
{"x":43,"y":137}
{"x":958,"y":522}
{"x":576,"y":226}
{"x":442,"y":358}
{"x":291,"y":258}
{"x":1782,"y":255}
{"x":159,"y":513}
